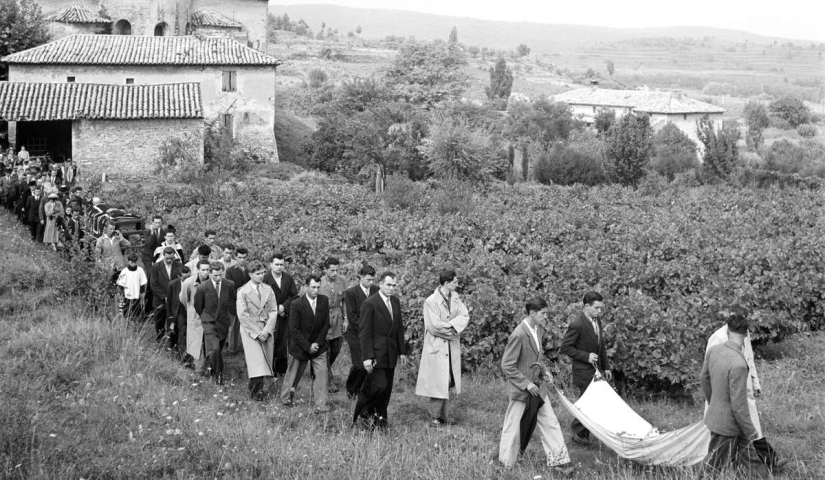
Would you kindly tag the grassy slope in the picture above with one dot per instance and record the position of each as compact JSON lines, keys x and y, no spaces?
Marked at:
{"x":87,"y":397}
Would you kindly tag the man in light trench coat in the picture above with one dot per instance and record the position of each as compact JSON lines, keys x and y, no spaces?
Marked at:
{"x":445,"y":317}
{"x":257,"y":313}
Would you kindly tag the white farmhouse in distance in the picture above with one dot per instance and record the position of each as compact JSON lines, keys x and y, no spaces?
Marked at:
{"x":663,"y":107}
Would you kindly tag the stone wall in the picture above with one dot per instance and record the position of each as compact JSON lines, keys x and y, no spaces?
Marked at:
{"x":252,"y":105}
{"x":144,"y":15}
{"x":60,"y":30}
{"x":127,"y":148}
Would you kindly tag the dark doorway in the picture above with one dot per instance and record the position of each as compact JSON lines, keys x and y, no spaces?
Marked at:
{"x":161,"y":29}
{"x":123,"y":27}
{"x":52,"y":137}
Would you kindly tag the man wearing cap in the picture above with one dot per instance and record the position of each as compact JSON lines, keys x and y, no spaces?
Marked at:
{"x":724,"y":382}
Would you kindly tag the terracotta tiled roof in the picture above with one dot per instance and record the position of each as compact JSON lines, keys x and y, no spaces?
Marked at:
{"x":72,"y":101}
{"x":638,"y":100}
{"x":140,"y":50}
{"x":211,"y":18}
{"x":78,"y":14}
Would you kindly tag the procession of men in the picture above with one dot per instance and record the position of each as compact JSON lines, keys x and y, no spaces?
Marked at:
{"x":219,"y":301}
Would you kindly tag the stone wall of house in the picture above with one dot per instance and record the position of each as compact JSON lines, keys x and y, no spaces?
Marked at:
{"x":251,"y":13}
{"x":252,"y":105}
{"x":128,"y":148}
{"x":144,"y":15}
{"x":60,"y":30}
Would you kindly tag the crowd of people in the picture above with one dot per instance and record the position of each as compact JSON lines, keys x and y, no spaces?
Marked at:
{"x":217,"y":301}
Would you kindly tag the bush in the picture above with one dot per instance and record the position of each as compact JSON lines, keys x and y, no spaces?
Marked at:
{"x":565,"y":166}
{"x":280,"y":170}
{"x":674,"y":152}
{"x":316,"y":77}
{"x":806,"y":130}
{"x":784,"y":156}
{"x":403,"y":194}
{"x":791,"y":109}
{"x":779,"y":123}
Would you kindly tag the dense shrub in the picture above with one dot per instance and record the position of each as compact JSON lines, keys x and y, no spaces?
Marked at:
{"x":563,"y":165}
{"x":316,"y":77}
{"x":402,"y":193}
{"x":666,"y":262}
{"x":791,"y":109}
{"x":674,"y":152}
{"x":806,"y":130}
{"x":779,"y":123}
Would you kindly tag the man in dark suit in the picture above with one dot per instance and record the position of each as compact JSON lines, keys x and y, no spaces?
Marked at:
{"x":381,"y":331}
{"x":176,"y":311}
{"x":153,"y":236}
{"x":237,"y":273}
{"x":584,"y":344}
{"x":285,"y":293}
{"x":160,"y":276}
{"x":308,"y":325}
{"x":33,"y":212}
{"x":353,"y":299}
{"x":214,"y":303}
{"x":724,"y":382}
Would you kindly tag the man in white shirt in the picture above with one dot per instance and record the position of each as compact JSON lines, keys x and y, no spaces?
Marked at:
{"x":170,"y":241}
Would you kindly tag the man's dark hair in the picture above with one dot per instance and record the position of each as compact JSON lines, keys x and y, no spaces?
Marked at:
{"x":591,"y":297}
{"x":738,"y":323}
{"x":171,"y":229}
{"x":366,"y":270}
{"x":204,"y":250}
{"x":535,"y":304}
{"x":242,"y":251}
{"x":210,"y":232}
{"x":278,"y":255}
{"x":330,"y":261}
{"x":446,"y":276}
{"x":229,"y":246}
{"x":216,"y":265}
{"x":184,"y":270}
{"x":313,"y":277}
{"x":132,"y":257}
{"x":204,"y":262}
{"x":385,"y":274}
{"x":168,"y":250}
{"x":254,"y":266}
{"x":157,"y":217}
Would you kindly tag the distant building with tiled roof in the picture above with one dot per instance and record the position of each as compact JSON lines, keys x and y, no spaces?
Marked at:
{"x":236,"y":87}
{"x":242,"y":20}
{"x":663,"y":107}
{"x":134,"y":50}
{"x":104,"y":128}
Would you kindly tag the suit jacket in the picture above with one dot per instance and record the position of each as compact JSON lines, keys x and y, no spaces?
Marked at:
{"x":33,"y":209}
{"x":382,"y":335}
{"x":519,"y":354}
{"x":73,"y":230}
{"x":724,"y":382}
{"x":173,"y":305}
{"x":306,"y":328}
{"x":580,"y":340}
{"x":238,"y":276}
{"x":353,"y":299}
{"x":159,"y":280}
{"x":215,"y":313}
{"x":286,"y":293}
{"x":150,"y":243}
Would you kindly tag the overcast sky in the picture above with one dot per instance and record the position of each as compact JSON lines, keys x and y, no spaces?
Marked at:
{"x":797,"y":20}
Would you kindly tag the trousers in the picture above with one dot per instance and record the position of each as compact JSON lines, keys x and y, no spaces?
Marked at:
{"x":549,"y":430}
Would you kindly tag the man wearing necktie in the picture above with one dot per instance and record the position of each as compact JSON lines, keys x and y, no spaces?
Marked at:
{"x":215,"y":304}
{"x":353,"y":299}
{"x":584,"y":344}
{"x":382,"y":348}
{"x":308,"y":327}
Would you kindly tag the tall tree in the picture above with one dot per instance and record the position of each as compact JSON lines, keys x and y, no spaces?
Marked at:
{"x":427,"y":73}
{"x":611,"y":67}
{"x":720,"y":151}
{"x":629,"y":148}
{"x":791,"y":109}
{"x":501,"y":81}
{"x":456,"y":151}
{"x":757,"y":120}
{"x":21,"y":27}
{"x":454,"y":35}
{"x":522,"y":50}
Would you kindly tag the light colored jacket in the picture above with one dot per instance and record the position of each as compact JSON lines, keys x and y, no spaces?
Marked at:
{"x":724,"y":383}
{"x":194,"y":327}
{"x":519,"y":355}
{"x":257,"y":314}
{"x":442,"y":348}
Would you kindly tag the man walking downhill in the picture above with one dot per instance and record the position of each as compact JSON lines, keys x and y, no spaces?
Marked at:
{"x":353,"y":299}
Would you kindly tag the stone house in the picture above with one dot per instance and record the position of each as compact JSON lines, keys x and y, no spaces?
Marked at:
{"x":663,"y":107}
{"x":245,"y":20}
{"x":104,"y":128}
{"x":237,"y":83}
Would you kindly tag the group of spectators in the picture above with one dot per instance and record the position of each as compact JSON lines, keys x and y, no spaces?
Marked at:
{"x":43,"y":196}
